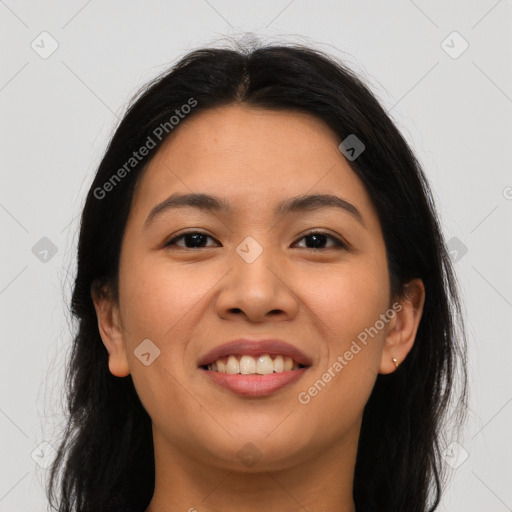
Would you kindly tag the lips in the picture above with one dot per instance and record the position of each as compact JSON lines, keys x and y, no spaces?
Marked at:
{"x":255,"y":348}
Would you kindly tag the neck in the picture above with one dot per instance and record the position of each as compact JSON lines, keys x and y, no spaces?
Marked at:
{"x":318,"y":480}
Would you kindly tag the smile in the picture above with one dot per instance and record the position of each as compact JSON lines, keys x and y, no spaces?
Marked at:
{"x":249,"y":365}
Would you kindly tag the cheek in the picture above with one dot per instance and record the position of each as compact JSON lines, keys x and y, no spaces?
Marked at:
{"x":160,"y":297}
{"x":346,"y":299}
{"x":348,"y":302}
{"x":161,"y":302}
{"x":347,"y":307}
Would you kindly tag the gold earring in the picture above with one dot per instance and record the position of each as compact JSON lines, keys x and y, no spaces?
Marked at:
{"x":395,"y":360}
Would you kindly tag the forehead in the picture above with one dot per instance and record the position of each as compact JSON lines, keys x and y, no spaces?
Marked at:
{"x":232,"y":132}
{"x":254,"y":157}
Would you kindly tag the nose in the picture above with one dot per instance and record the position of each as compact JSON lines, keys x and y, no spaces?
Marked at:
{"x":259,"y":290}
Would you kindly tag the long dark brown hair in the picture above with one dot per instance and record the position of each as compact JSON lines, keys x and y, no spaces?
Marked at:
{"x":105,"y":459}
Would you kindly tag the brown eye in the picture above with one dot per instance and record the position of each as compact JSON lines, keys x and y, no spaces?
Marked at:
{"x":193,"y":240}
{"x":317,"y":239}
{"x":314,"y":240}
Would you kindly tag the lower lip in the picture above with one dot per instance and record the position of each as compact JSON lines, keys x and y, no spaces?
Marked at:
{"x":255,"y":385}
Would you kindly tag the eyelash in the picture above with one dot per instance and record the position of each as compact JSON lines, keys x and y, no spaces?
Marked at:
{"x":338,"y":243}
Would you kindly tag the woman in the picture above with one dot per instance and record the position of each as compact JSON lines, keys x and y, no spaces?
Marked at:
{"x":268,"y":316}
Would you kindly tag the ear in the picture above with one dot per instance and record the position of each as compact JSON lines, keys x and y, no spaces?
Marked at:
{"x":109,"y":325}
{"x":402,"y":328}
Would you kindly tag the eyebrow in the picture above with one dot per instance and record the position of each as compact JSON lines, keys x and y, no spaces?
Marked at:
{"x":207,"y":202}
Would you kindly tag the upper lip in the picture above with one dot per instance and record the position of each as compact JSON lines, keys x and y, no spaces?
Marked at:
{"x":251,"y":347}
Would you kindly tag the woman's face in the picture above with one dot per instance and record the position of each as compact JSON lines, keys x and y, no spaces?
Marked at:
{"x":253,"y":272}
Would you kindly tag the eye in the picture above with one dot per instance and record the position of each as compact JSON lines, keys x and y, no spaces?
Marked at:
{"x":196,"y":239}
{"x":318,"y":238}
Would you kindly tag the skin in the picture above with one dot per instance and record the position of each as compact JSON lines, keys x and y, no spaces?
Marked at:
{"x":189,"y":300}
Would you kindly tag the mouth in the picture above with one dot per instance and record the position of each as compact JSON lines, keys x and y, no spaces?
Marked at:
{"x":254,"y":368}
{"x":254,"y":356}
{"x":245,"y":364}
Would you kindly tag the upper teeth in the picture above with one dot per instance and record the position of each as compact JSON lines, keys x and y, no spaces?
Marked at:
{"x":246,"y":365}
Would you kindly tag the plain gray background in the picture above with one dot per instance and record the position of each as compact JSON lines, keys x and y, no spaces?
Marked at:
{"x":453,"y":104}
